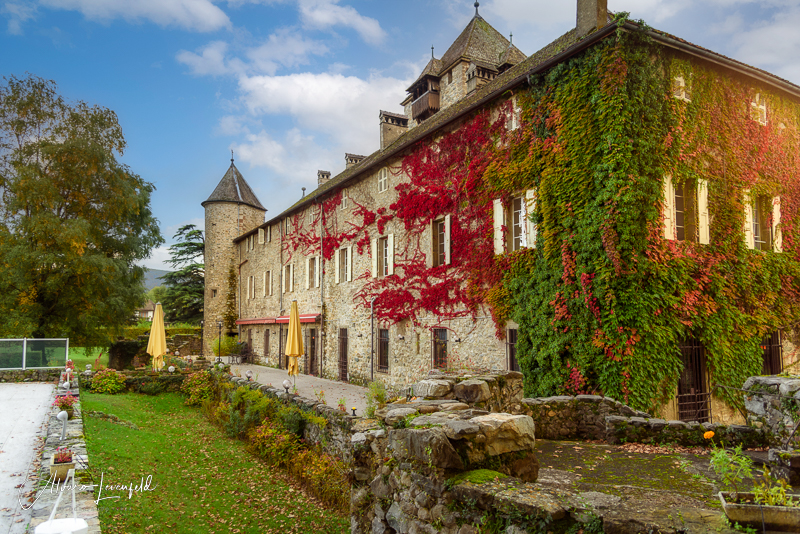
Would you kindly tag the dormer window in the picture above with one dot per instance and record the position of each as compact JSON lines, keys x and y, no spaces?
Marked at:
{"x":426,"y":98}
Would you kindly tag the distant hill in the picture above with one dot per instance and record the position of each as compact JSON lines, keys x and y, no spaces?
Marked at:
{"x":151,"y":278}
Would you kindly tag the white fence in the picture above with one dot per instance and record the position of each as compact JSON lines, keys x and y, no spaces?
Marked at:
{"x":33,"y":353}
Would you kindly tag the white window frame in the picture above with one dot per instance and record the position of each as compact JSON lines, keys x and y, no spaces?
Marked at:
{"x":758,"y":110}
{"x":347,"y":276}
{"x":344,"y":199}
{"x":288,"y":278}
{"x":383,"y":180}
{"x":311,"y":284}
{"x":679,"y":89}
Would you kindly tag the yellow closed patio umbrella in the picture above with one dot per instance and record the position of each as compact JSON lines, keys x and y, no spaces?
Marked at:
{"x":294,"y":341}
{"x":157,"y":345}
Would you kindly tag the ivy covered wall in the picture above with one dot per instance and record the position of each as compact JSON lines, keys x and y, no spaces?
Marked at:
{"x":604,"y":300}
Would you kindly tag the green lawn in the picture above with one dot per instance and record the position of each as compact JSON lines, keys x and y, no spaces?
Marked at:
{"x":204,"y":481}
{"x":83,"y":355}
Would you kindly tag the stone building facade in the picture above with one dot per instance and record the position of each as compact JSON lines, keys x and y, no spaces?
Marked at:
{"x":331,"y":250}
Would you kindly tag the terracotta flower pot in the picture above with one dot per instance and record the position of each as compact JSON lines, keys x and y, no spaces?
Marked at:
{"x":59,"y":471}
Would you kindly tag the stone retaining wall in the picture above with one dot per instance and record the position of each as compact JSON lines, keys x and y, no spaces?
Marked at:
{"x":494,"y":392}
{"x":580,"y":417}
{"x":51,"y":374}
{"x":773,"y":404}
{"x":84,"y":493}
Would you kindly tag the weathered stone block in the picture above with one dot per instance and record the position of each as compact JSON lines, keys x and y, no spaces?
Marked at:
{"x":472,"y":391}
{"x":432,"y":388}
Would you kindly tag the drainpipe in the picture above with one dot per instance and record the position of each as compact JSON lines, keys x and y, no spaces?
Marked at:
{"x":372,"y":334}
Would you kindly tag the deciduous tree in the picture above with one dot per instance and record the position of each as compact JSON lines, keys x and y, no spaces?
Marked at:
{"x":73,"y":219}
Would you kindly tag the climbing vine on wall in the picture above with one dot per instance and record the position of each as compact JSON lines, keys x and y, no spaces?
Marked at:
{"x":608,"y":300}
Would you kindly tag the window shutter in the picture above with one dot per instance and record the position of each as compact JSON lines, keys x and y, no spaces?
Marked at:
{"x":265,"y":284}
{"x":702,"y":210}
{"x":669,"y":208}
{"x":374,"y":258}
{"x":270,"y":283}
{"x":308,"y":272}
{"x":269,"y":234}
{"x":337,"y":258}
{"x":530,"y":227}
{"x":390,"y":255}
{"x":749,"y":238}
{"x":283,"y":279}
{"x":777,"y":237}
{"x":499,"y":218}
{"x":447,"y":239}
{"x":248,"y":287}
{"x":260,"y":236}
{"x":291,"y":278}
{"x":350,"y":263}
{"x":319,"y":269}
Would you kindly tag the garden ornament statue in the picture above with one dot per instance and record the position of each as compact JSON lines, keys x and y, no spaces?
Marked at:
{"x":63,"y":416}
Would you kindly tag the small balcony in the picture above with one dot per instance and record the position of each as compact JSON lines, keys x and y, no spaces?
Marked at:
{"x":425,"y":106}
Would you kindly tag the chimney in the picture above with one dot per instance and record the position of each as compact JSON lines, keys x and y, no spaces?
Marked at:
{"x":592,"y":15}
{"x":351,"y":159}
{"x":392,"y":127}
{"x":322,"y":177}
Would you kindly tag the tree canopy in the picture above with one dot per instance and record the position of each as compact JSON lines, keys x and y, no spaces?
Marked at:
{"x":73,"y":219}
{"x":183,"y":299}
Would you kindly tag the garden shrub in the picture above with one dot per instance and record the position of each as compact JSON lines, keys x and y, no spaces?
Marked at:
{"x":229,"y":346}
{"x":272,"y":443}
{"x":107,"y":381}
{"x":376,"y":397}
{"x":292,"y":420}
{"x":199,"y":387}
{"x":152,"y":387}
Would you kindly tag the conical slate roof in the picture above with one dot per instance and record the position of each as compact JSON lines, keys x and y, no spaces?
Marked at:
{"x":233,"y":188}
{"x":479,"y":41}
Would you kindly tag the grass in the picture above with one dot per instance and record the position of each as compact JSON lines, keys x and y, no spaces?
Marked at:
{"x":83,"y":355}
{"x":202,"y":480}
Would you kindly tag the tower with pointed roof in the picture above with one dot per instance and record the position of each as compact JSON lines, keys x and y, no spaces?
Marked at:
{"x":231,"y":210}
{"x":477,"y":56}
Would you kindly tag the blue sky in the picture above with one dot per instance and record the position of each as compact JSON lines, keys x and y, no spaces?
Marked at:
{"x":291,"y":85}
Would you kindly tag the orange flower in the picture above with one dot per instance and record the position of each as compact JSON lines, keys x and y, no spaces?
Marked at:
{"x":708,"y":435}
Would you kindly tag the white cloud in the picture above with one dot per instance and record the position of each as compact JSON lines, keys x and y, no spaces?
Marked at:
{"x":17,"y":14}
{"x":324,"y":14}
{"x":283,"y":48}
{"x":343,"y":107}
{"x":157,"y":259}
{"x":773,"y":45}
{"x":197,"y":15}
{"x":210,"y":61}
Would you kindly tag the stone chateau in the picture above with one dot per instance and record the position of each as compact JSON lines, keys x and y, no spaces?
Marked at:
{"x":337,"y":248}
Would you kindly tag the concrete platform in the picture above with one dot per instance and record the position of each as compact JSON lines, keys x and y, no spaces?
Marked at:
{"x":25,"y":407}
{"x":307,"y":385}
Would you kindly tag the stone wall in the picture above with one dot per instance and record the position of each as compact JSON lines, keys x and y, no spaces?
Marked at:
{"x":31,"y":375}
{"x":773,"y":404}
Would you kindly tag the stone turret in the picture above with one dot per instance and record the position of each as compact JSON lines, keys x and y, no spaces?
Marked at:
{"x":231,"y":210}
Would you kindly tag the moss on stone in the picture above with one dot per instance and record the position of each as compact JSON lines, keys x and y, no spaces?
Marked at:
{"x":477,"y":476}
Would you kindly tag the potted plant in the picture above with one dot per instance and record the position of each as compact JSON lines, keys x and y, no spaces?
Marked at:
{"x":60,"y":464}
{"x":66,"y":403}
{"x":768,"y":503}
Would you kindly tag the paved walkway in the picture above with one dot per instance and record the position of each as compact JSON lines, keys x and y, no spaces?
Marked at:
{"x":25,"y":407}
{"x":309,"y":386}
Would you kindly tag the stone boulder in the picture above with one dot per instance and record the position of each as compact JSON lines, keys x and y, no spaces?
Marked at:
{"x":393,"y":416}
{"x":473,"y":391}
{"x":429,"y":446}
{"x":432,"y":388}
{"x":506,"y":433}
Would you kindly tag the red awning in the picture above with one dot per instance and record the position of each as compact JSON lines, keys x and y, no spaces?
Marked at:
{"x":304,"y":318}
{"x":263,"y":320}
